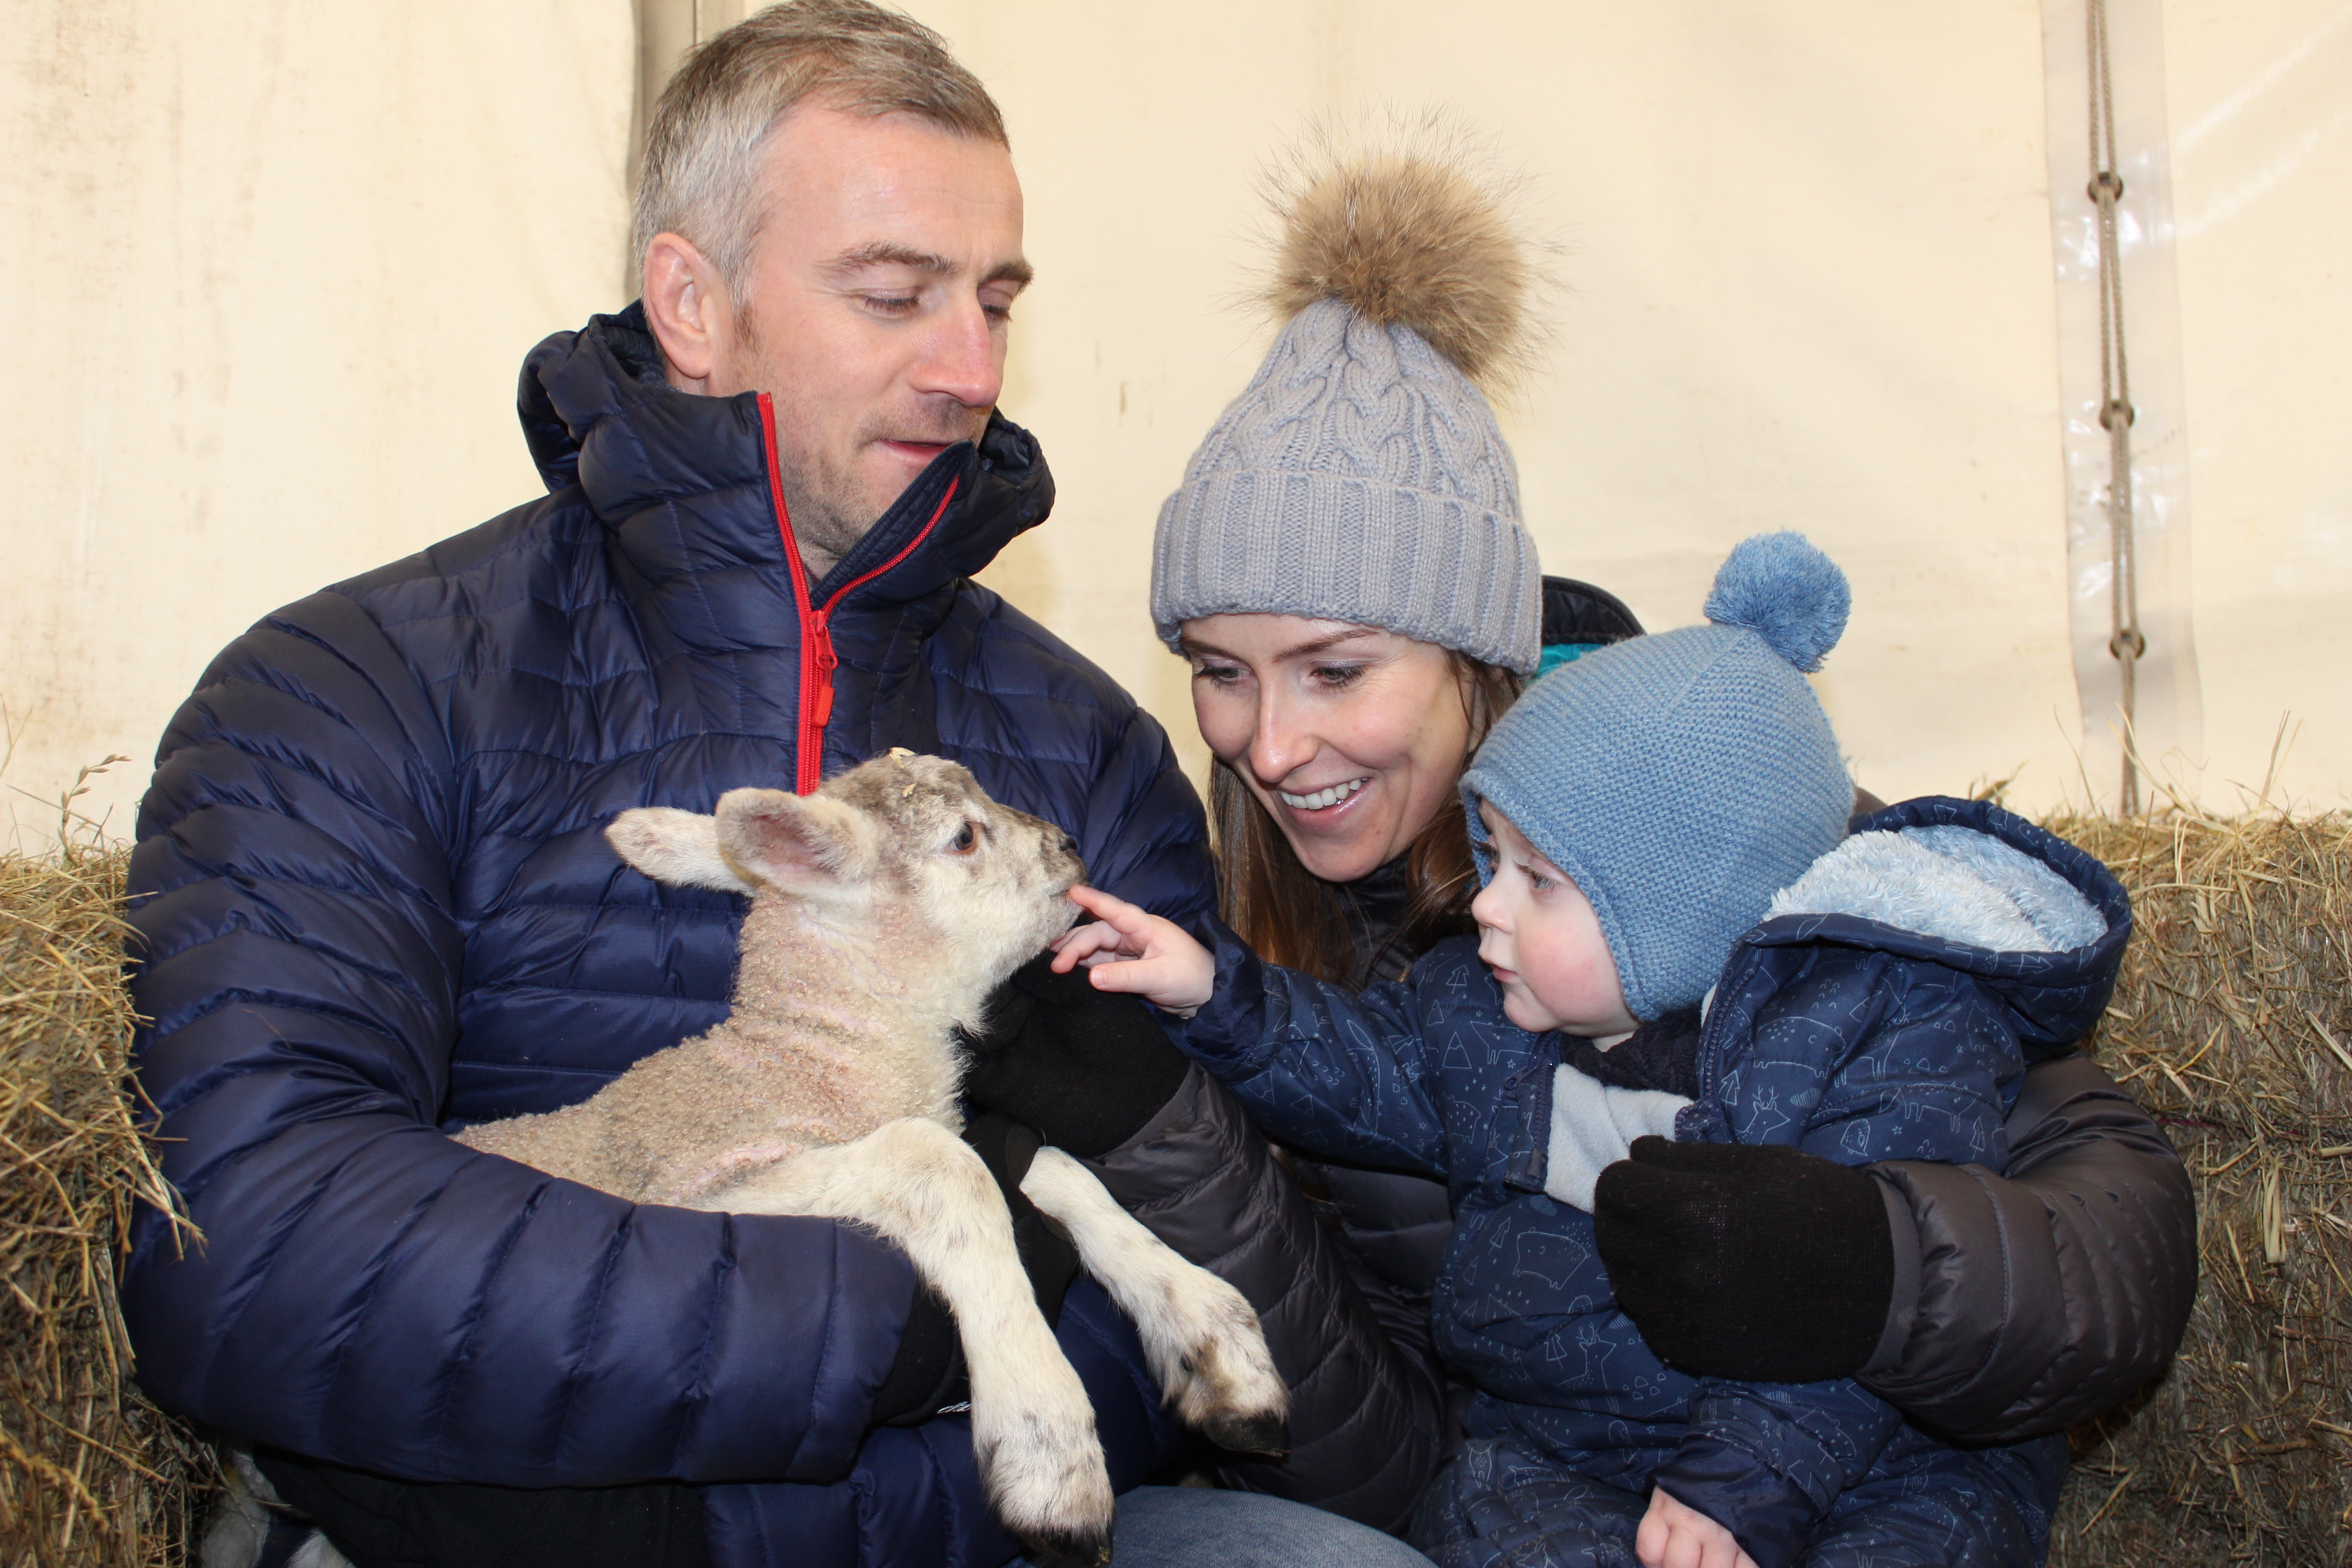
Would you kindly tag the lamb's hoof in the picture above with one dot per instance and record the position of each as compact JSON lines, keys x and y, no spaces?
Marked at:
{"x":1067,"y":1549}
{"x":1267,"y":1433}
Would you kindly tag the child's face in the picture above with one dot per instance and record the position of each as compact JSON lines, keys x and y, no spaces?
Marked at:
{"x":1540,"y":937}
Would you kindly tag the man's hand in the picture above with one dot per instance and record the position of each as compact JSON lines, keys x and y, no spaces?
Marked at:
{"x":1675,"y":1535}
{"x":1087,"y":1069}
{"x":1139,"y":953}
{"x":1748,"y":1261}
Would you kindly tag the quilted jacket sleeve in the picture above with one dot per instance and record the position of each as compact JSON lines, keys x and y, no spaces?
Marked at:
{"x":1141,"y":832}
{"x":2036,"y":1299}
{"x":1342,"y":1074}
{"x":365,"y":1289}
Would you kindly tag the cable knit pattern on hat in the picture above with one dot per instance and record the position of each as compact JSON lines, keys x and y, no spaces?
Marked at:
{"x":1360,"y":476}
{"x":1682,"y":779}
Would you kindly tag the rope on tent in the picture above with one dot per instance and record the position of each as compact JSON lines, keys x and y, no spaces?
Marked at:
{"x":2125,"y":642}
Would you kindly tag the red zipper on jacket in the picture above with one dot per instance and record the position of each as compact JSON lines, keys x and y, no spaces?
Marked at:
{"x":818,"y":660}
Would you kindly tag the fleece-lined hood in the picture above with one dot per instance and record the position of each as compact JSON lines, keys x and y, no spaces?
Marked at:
{"x":1964,"y":884}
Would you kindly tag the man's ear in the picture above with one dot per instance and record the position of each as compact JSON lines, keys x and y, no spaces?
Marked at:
{"x":810,"y":846}
{"x":678,"y":847}
{"x":690,"y":311}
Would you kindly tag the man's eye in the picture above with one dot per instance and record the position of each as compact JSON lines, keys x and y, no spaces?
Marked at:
{"x":892,"y":304}
{"x":964,"y":842}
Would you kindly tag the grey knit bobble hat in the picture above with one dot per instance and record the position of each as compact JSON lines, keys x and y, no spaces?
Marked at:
{"x":1682,"y":779}
{"x":1360,"y":477}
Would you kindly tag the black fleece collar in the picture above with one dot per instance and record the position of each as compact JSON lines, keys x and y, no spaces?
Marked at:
{"x":1661,"y":1054}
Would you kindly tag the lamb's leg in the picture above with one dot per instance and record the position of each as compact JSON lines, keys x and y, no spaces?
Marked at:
{"x":1033,"y":1426}
{"x":1203,"y":1342}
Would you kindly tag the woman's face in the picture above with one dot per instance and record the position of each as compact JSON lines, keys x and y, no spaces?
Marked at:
{"x":1353,"y":738}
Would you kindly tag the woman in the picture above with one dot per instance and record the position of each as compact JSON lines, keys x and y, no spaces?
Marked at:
{"x":1346,"y":570}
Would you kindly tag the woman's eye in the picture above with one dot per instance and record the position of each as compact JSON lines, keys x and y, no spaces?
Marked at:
{"x":1338,"y":677}
{"x":1216,"y":674}
{"x":964,"y":842}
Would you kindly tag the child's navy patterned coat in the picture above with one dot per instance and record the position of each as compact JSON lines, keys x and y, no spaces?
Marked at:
{"x":1853,"y":1031}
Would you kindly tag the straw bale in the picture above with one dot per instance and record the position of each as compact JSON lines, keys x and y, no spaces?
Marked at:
{"x":2233,"y":1025}
{"x":90,"y":1473}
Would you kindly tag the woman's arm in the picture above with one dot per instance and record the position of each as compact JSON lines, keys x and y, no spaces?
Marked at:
{"x":2044,"y":1296}
{"x":1991,"y":1308}
{"x":1365,"y":1412}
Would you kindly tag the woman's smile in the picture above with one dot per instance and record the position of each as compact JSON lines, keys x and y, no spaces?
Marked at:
{"x":1323,"y":800}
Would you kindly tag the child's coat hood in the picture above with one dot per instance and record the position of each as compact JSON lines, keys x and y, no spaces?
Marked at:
{"x":1970,"y":886}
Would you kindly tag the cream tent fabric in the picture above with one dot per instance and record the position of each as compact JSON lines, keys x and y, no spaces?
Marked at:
{"x":257,"y":257}
{"x":1810,"y":281}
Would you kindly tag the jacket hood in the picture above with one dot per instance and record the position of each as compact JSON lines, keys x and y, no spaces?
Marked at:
{"x":597,"y":412}
{"x":1968,"y":886}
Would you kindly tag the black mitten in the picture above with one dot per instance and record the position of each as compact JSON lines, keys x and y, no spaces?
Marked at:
{"x":1085,"y":1067}
{"x":929,"y":1374}
{"x":1006,"y":1147}
{"x":1751,"y":1261}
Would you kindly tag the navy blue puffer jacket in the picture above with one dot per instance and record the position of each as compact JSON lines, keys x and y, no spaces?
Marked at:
{"x":376,"y":903}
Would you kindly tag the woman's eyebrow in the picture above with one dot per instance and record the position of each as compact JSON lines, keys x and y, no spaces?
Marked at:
{"x":1193,"y":647}
{"x":1326,"y":644}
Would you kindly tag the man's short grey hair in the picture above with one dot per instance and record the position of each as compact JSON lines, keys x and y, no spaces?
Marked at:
{"x":701,"y":173}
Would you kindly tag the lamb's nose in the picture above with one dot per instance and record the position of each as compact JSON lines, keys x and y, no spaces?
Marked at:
{"x":1069,"y":845}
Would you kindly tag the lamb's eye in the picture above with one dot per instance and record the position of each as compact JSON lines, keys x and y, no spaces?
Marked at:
{"x":964,"y":842}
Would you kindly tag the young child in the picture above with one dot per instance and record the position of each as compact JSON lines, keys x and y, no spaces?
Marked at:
{"x":1678,"y":938}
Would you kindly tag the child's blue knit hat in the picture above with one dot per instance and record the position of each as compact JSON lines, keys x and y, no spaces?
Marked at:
{"x":1682,"y":779}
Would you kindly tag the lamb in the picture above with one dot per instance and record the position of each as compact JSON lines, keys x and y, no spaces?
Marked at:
{"x":885,"y":908}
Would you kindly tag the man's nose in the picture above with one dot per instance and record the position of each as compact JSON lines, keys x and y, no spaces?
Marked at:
{"x":964,"y":358}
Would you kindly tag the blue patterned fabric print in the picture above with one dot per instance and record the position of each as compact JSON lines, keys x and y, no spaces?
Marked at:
{"x":1847,"y":1037}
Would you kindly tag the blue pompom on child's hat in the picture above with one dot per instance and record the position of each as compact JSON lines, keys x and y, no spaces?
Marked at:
{"x":1786,"y":592}
{"x":1682,"y":779}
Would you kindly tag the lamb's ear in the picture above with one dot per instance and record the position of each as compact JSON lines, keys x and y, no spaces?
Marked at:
{"x":809,"y":845}
{"x":679,"y":848}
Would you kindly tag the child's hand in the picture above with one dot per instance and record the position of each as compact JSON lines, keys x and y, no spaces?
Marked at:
{"x":1137,"y":952}
{"x":1675,"y":1535}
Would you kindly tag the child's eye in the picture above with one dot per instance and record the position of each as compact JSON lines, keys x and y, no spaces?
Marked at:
{"x":1536,"y":879}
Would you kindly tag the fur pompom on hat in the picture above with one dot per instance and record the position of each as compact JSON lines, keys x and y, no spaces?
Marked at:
{"x":1360,"y":477}
{"x":1682,"y":779}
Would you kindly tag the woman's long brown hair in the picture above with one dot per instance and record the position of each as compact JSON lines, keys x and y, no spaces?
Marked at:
{"x":1291,"y":916}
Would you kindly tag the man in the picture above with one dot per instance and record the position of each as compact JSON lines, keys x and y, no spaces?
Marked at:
{"x":377,"y":903}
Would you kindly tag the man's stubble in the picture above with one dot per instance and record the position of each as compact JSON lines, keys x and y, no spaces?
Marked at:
{"x":830,"y":510}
